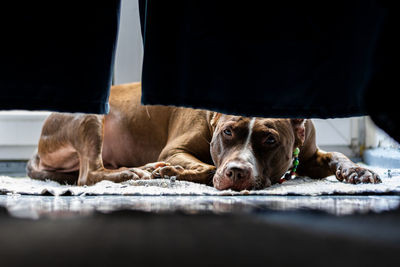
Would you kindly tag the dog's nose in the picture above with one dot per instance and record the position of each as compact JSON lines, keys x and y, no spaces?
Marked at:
{"x":237,"y":172}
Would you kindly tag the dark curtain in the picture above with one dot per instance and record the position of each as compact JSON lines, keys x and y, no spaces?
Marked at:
{"x":57,"y":55}
{"x":271,"y":59}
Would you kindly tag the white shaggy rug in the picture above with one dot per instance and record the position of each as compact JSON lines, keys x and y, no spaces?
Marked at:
{"x":164,"y":187}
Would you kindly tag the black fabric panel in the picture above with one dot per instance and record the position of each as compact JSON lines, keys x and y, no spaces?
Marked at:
{"x":382,"y":99}
{"x":280,"y":59}
{"x":57,"y":55}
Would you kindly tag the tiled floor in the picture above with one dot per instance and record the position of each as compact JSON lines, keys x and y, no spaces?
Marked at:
{"x":34,"y":207}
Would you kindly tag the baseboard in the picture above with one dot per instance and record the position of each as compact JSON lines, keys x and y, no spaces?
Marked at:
{"x":13,"y":168}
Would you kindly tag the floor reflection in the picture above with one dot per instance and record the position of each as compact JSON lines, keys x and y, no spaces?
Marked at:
{"x":41,"y":206}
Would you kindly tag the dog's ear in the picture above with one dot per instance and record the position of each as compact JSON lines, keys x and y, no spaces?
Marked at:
{"x":213,"y":120}
{"x":299,"y":129}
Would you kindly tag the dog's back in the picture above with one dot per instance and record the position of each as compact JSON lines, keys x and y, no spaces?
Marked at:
{"x":131,"y":135}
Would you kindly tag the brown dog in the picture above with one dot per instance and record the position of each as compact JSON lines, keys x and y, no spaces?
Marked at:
{"x":194,"y":145}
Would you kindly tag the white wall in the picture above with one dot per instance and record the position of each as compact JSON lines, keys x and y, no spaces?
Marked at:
{"x":343,"y":135}
{"x":19,"y":133}
{"x":334,"y":131}
{"x":129,"y":57}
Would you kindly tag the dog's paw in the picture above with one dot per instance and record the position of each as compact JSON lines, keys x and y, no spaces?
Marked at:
{"x":151,"y":167}
{"x":355,"y":175}
{"x":168,"y":171}
{"x":141,"y":174}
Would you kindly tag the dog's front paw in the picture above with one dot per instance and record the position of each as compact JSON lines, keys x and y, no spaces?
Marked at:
{"x":141,"y":174}
{"x":168,"y":171}
{"x":354,"y":174}
{"x":151,"y":167}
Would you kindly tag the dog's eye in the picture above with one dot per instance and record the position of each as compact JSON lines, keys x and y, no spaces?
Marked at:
{"x":228,"y":132}
{"x":270,"y":140}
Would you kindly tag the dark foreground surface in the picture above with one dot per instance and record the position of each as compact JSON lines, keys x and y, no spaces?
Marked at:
{"x":226,"y":234}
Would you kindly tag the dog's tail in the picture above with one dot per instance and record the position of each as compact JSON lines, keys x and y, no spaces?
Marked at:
{"x":32,"y":166}
{"x":35,"y":172}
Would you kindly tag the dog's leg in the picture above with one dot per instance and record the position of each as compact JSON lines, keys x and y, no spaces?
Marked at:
{"x":71,"y":144}
{"x":323,"y":164}
{"x":88,"y":142}
{"x":316,"y":163}
{"x":186,"y":167}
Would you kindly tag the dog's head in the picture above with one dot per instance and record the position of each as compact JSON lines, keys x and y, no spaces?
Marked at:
{"x":253,"y":153}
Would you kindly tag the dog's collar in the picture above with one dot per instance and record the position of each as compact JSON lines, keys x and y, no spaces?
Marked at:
{"x":289,"y":174}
